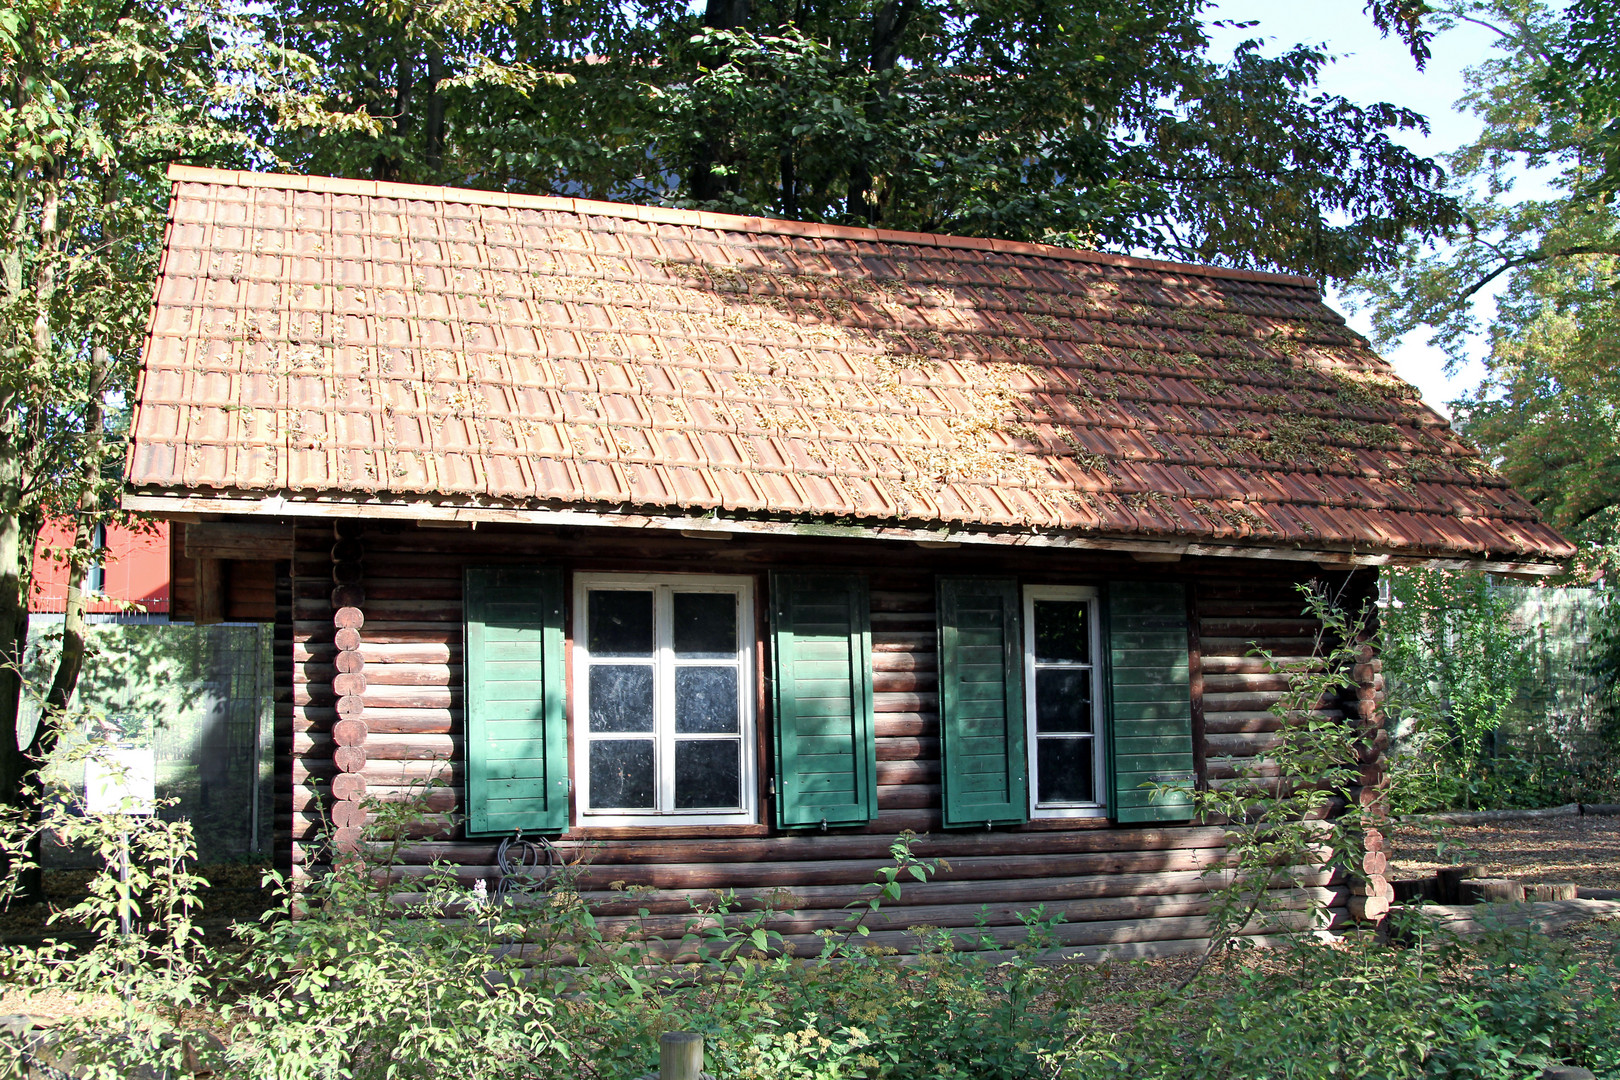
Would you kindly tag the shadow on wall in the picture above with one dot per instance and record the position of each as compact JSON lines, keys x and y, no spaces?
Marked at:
{"x":200,"y":698}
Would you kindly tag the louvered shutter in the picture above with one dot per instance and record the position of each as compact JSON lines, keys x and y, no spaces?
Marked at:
{"x":517,"y":726}
{"x":826,"y":751}
{"x":981,"y":702}
{"x":1151,"y":703}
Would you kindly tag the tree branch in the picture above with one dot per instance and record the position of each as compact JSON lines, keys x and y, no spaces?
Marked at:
{"x":1530,"y":259}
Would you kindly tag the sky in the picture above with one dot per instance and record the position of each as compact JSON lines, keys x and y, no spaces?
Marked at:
{"x":1371,"y":69}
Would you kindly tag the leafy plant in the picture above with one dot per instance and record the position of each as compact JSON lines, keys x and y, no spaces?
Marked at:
{"x":1286,"y":819}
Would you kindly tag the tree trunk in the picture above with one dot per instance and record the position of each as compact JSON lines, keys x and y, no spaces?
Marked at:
{"x":888,"y":27}
{"x":434,"y":112}
{"x":71,"y":662}
{"x":18,"y":530}
{"x":707,"y":185}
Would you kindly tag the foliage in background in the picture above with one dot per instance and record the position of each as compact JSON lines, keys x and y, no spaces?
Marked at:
{"x":1545,"y":411}
{"x":96,"y":99}
{"x":1104,"y":124}
{"x":1471,"y":703}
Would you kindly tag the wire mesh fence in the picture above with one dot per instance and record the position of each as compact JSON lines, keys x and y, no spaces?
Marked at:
{"x":199,"y":698}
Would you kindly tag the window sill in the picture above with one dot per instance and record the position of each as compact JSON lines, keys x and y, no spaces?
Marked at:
{"x":662,"y":832}
{"x":1063,"y":824}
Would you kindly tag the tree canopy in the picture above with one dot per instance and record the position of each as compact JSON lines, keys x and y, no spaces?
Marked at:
{"x":1548,"y":410}
{"x":1100,"y":124}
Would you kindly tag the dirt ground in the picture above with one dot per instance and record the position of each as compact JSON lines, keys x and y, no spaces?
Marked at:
{"x":1585,"y":850}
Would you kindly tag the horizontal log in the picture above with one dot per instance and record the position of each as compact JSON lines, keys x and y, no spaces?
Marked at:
{"x":1265,"y":682}
{"x":919,"y":602}
{"x":1247,"y":702}
{"x":907,"y":749}
{"x":793,"y":875}
{"x":913,"y":622}
{"x":889,"y":682}
{"x":1087,"y":933}
{"x":1212,"y":608}
{"x":1261,"y":720}
{"x":1241,"y":745}
{"x":1008,"y":913}
{"x":233,"y":540}
{"x":819,"y":847}
{"x":391,"y":772}
{"x":1251,"y":665}
{"x":921,"y":895}
{"x":382,"y":631}
{"x":897,"y":773}
{"x":905,"y":641}
{"x":909,"y":703}
{"x":904,"y":661}
{"x":1237,"y":646}
{"x":383,"y":696}
{"x":379,"y":718}
{"x":1232,"y":723}
{"x":439,"y":653}
{"x":381,"y":746}
{"x":909,"y":797}
{"x":382,"y":673}
{"x":1228,"y":626}
{"x":899,"y":725}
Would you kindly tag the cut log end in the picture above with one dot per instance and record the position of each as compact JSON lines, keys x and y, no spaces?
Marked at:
{"x":1368,"y":909}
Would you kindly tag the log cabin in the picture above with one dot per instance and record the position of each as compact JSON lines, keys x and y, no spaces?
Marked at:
{"x":718,"y":551}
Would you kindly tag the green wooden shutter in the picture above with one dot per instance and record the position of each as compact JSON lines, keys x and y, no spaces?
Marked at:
{"x":981,"y":702}
{"x":826,"y":750}
{"x":517,"y":724}
{"x":1151,"y":702}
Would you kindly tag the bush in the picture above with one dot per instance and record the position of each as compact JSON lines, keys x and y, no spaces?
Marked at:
{"x":1484,"y":711}
{"x":446,"y":982}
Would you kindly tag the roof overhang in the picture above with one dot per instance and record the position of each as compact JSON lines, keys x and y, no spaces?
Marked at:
{"x":1147,"y":549}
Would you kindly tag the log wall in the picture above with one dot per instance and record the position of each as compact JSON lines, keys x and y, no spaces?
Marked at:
{"x":1136,"y":890}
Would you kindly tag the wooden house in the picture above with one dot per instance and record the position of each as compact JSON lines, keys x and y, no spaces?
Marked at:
{"x":725,"y":549}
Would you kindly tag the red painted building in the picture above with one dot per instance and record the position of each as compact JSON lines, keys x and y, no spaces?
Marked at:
{"x":131,"y":578}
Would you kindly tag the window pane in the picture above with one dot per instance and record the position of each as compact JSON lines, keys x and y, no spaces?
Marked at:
{"x":621,"y":623}
{"x":1062,"y":699}
{"x":705,"y":700}
{"x":707,"y":774}
{"x":1061,"y":633}
{"x":622,"y":774}
{"x":705,"y":626}
{"x":621,"y":697}
{"x":1063,"y":771}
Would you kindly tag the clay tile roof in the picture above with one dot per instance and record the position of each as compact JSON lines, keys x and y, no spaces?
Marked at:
{"x":345,"y":340}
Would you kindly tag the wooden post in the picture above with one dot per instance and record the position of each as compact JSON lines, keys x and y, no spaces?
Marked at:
{"x":208,"y":601}
{"x":680,"y":1055}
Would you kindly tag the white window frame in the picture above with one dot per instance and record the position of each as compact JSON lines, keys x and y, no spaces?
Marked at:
{"x":1099,"y":757}
{"x":664,"y":664}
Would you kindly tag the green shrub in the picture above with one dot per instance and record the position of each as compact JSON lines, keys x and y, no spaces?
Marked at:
{"x":370,"y":981}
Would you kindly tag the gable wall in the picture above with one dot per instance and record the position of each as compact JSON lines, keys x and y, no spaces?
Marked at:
{"x":1132,"y":887}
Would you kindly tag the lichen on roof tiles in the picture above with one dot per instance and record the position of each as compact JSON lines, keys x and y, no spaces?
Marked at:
{"x":323,"y":339}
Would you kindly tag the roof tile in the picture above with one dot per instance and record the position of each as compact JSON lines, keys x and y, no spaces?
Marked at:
{"x":349,"y":337}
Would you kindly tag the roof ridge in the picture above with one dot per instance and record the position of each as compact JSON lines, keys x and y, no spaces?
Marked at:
{"x":703,"y":219}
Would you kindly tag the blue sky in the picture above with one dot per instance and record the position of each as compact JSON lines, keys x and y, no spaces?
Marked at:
{"x":1372,"y":68}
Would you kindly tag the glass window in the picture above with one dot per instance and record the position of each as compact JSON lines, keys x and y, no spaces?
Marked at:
{"x":664,"y":685}
{"x":1065,"y":744}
